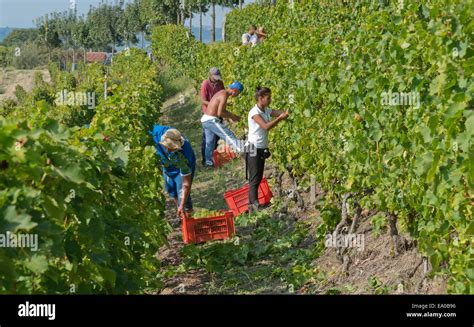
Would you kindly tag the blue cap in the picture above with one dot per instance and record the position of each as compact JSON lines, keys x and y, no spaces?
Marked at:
{"x":237,"y":86}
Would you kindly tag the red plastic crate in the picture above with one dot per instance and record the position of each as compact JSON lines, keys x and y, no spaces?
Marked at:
{"x":238,"y":200}
{"x":208,"y":229}
{"x":221,"y":158}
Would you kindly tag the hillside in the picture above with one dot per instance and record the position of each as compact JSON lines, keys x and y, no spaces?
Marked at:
{"x":4,"y":31}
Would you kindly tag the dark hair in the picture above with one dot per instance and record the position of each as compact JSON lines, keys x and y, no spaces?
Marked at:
{"x":261,"y":92}
{"x":253,"y":26}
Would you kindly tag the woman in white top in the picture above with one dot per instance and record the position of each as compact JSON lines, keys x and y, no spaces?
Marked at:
{"x":260,"y":122}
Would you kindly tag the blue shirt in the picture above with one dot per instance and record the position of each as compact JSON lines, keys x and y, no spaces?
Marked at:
{"x":179,"y":162}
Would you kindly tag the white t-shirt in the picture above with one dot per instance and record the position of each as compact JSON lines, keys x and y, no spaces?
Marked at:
{"x":257,"y":135}
{"x":254,"y":40}
{"x":246,"y":38}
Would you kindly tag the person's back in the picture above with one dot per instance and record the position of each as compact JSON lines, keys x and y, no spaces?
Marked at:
{"x":179,"y":164}
{"x":183,"y":160}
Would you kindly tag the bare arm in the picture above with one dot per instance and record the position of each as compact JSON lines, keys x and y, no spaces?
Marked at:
{"x":269,"y":125}
{"x":186,"y":189}
{"x":222,"y":112}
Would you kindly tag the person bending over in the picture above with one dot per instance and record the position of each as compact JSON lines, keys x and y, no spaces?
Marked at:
{"x":179,"y":164}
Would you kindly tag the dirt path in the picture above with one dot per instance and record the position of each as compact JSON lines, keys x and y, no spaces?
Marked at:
{"x":189,"y":282}
{"x":9,"y":79}
{"x":182,"y":111}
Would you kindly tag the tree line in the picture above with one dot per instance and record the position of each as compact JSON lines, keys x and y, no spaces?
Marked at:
{"x":105,"y":27}
{"x":109,"y":25}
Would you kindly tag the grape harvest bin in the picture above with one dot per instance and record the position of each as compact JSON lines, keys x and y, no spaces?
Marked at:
{"x":206,"y":229}
{"x":238,"y":200}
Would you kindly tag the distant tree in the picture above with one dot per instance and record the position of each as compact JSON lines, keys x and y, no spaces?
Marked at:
{"x":203,"y":7}
{"x":158,"y":12}
{"x":225,"y":3}
{"x":150,"y":14}
{"x":80,"y":33}
{"x":64,"y":24}
{"x":103,"y":26}
{"x":19,"y":36}
{"x":193,"y":6}
{"x":47,"y":31}
{"x":110,"y":25}
{"x":129,"y":23}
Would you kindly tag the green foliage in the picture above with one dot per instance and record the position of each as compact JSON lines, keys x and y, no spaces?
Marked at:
{"x":7,"y":107}
{"x":330,"y":70}
{"x":171,"y":83}
{"x":174,"y":46}
{"x":205,"y":213}
{"x":129,"y":23}
{"x":269,"y":250}
{"x":377,"y":287}
{"x":284,"y":18}
{"x":333,"y":291}
{"x":4,"y":31}
{"x":92,"y":195}
{"x":30,"y":55}
{"x":86,"y":84}
{"x":138,"y":95}
{"x":157,"y":12}
{"x":48,"y":31}
{"x":6,"y":56}
{"x":20,"y":94}
{"x":103,"y":26}
{"x":19,"y":36}
{"x":379,"y":223}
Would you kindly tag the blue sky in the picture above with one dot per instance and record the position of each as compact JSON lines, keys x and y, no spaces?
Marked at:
{"x":21,"y":13}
